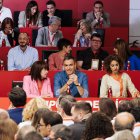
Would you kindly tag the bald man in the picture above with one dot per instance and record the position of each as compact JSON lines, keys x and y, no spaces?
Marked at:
{"x":124,"y":121}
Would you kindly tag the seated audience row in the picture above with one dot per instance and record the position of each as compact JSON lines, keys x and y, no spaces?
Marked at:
{"x":75,"y":82}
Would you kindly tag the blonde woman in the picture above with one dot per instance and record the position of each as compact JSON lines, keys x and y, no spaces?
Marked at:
{"x":31,"y":107}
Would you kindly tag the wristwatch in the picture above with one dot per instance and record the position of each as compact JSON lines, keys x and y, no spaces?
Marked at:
{"x":78,"y":84}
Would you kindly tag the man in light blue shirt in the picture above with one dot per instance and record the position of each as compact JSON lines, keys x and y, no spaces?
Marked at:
{"x":70,"y":80}
{"x":23,"y":56}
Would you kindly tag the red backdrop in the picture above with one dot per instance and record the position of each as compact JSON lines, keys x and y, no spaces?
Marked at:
{"x":80,"y":6}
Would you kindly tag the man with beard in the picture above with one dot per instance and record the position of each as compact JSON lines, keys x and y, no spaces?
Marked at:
{"x":70,"y":80}
{"x":22,"y":56}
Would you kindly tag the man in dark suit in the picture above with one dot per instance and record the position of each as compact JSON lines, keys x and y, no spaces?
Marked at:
{"x":51,"y":11}
{"x":98,"y":17}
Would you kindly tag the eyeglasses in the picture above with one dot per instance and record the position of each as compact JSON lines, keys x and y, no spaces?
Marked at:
{"x":39,"y":125}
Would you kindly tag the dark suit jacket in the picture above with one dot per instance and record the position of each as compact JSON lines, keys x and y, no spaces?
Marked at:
{"x":45,"y":18}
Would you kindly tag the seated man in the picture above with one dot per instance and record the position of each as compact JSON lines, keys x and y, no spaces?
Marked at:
{"x":56,"y":59}
{"x":51,"y":11}
{"x":22,"y":56}
{"x":49,"y":35}
{"x":70,"y":80}
{"x":17,"y":97}
{"x":4,"y":12}
{"x":92,"y":57}
{"x":98,"y":17}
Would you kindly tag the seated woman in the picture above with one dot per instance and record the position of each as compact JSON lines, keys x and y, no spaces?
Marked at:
{"x":122,"y":50}
{"x":82,"y":37}
{"x":118,"y":81}
{"x":37,"y":83}
{"x":56,"y":59}
{"x":31,"y":17}
{"x":8,"y":35}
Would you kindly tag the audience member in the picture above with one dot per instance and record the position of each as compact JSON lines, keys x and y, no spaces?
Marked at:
{"x":4,"y":12}
{"x":8,"y":34}
{"x":22,"y":56}
{"x":122,"y":135}
{"x":136,"y":102}
{"x":31,"y":17}
{"x":3,"y":114}
{"x":125,"y":106}
{"x":83,"y":35}
{"x":122,"y":50}
{"x":17,"y":97}
{"x":81,"y":111}
{"x":124,"y":121}
{"x":61,"y":132}
{"x":33,"y":136}
{"x":92,"y":57}
{"x":50,"y":11}
{"x":136,"y":113}
{"x":37,"y":83}
{"x":65,"y":110}
{"x":49,"y":35}
{"x":8,"y":129}
{"x":98,"y":125}
{"x":46,"y":122}
{"x":29,"y":110}
{"x":56,"y":59}
{"x":108,"y":107}
{"x":38,"y":115}
{"x":98,"y":18}
{"x":22,"y":132}
{"x":115,"y":80}
{"x":70,"y":80}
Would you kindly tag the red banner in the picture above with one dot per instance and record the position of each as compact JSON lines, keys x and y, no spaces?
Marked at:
{"x":51,"y":102}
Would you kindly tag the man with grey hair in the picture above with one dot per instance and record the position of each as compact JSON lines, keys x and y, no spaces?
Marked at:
{"x":123,"y":121}
{"x":49,"y":35}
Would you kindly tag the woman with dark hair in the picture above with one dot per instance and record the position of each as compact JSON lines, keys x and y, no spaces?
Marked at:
{"x":108,"y":107}
{"x":98,"y":125}
{"x":8,"y":34}
{"x":56,"y":59}
{"x":37,"y":83}
{"x":122,"y":50}
{"x":115,"y":80}
{"x":83,"y":35}
{"x":31,"y":17}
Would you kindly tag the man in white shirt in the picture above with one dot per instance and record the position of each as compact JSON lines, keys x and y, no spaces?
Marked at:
{"x":22,"y":56}
{"x":4,"y":12}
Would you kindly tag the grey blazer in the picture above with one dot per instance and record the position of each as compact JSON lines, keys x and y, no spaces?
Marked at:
{"x":106,"y":19}
{"x":22,"y":20}
{"x":42,"y":37}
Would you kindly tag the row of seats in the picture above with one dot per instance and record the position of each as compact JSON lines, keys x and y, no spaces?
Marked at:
{"x":66,"y":17}
{"x":111,"y":34}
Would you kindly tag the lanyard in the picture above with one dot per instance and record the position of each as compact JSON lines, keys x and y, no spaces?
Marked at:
{"x":49,"y":38}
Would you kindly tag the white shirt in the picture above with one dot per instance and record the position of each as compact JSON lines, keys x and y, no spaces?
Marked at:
{"x":4,"y":36}
{"x":19,"y":60}
{"x":4,"y":13}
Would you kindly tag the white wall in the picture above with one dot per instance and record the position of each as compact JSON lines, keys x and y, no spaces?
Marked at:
{"x":134,"y":20}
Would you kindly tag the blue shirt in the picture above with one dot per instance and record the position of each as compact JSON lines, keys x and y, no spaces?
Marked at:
{"x":134,"y":63}
{"x":16,"y":114}
{"x":19,"y":60}
{"x":61,"y":79}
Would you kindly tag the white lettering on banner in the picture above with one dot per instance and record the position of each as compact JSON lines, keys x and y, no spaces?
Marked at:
{"x":52,"y":104}
{"x":93,"y":102}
